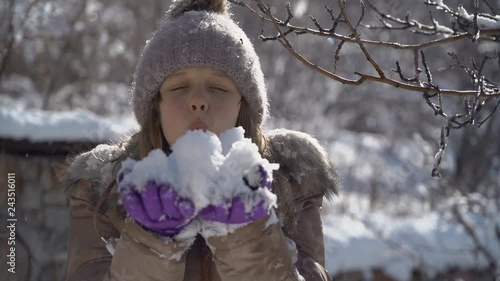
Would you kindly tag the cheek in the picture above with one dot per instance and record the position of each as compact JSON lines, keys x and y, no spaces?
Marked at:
{"x":227,"y":115}
{"x":233,"y":109}
{"x":234,"y":115}
{"x":171,"y":118}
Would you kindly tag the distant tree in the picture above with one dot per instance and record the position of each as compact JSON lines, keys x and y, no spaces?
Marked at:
{"x":76,"y":53}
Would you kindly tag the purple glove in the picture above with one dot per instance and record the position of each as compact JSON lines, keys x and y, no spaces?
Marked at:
{"x":263,"y":181}
{"x":157,"y":207}
{"x":235,"y":210}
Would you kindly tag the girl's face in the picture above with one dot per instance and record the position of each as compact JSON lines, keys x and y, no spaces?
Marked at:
{"x":198,"y":98}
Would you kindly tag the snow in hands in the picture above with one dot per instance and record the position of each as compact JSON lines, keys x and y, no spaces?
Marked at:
{"x":207,"y":169}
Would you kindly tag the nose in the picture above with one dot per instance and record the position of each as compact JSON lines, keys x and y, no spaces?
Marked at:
{"x":199,"y":101}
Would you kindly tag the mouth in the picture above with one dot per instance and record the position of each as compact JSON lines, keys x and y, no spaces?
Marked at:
{"x":198,"y":125}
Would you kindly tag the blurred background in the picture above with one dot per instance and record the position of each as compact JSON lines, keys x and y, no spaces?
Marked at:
{"x":65,"y":72}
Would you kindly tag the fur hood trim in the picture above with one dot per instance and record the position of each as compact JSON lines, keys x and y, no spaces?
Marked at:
{"x":98,"y":166}
{"x":304,"y":160}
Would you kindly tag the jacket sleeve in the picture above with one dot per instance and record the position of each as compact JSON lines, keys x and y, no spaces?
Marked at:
{"x":307,"y":171}
{"x":257,"y":251}
{"x":139,"y":255}
{"x":309,"y":239}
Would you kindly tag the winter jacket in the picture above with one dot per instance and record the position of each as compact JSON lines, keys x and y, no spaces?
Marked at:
{"x":261,"y":250}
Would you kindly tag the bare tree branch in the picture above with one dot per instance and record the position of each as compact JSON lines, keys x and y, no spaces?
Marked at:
{"x":330,"y":33}
{"x":363,"y":77}
{"x":394,"y":45}
{"x":489,"y":116}
{"x":474,"y":99}
{"x":355,"y":34}
{"x":406,"y":23}
{"x":289,"y":47}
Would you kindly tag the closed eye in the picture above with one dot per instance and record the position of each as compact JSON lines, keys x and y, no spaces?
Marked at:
{"x":220,"y":89}
{"x":177,"y":88}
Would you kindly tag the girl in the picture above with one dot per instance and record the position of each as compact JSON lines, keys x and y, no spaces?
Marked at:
{"x":199,"y":71}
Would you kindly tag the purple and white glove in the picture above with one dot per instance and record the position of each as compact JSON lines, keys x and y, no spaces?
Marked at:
{"x":156,"y":206}
{"x":244,"y":207}
{"x":242,"y":192}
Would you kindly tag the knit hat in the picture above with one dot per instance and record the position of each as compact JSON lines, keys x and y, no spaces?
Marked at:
{"x":199,"y":33}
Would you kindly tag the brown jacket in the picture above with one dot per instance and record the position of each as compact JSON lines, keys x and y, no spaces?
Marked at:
{"x":259,"y":251}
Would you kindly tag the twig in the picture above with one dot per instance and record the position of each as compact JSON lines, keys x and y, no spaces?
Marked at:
{"x":273,"y":38}
{"x":289,"y":12}
{"x":394,"y":45}
{"x":289,"y":47}
{"x":358,"y":39}
{"x":337,"y":56}
{"x":414,"y":88}
{"x":405,"y":24}
{"x":445,"y":133}
{"x":363,"y":10}
{"x":491,"y":114}
{"x":416,"y":62}
{"x":401,"y":76}
{"x":426,"y":67}
{"x":442,"y":7}
{"x":476,"y":27}
{"x":335,"y":20}
{"x":493,"y":11}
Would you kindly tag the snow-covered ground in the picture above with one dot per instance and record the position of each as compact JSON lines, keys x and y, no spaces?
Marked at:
{"x":433,"y":241}
{"x":398,"y":230}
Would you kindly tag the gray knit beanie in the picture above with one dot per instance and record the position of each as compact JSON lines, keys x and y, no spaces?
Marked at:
{"x":199,"y":33}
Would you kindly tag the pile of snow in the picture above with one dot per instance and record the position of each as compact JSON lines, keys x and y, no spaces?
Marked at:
{"x":80,"y":125}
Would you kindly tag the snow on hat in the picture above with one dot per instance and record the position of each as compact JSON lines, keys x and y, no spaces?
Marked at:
{"x":199,"y":33}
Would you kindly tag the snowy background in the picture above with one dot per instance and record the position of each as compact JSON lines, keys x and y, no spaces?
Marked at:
{"x":70,"y":66}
